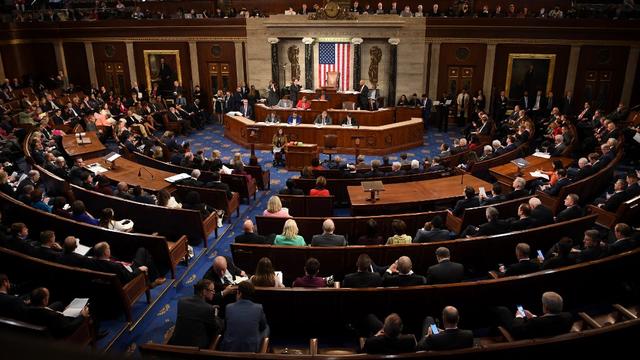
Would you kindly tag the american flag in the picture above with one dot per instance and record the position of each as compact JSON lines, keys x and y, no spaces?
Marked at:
{"x":335,"y":57}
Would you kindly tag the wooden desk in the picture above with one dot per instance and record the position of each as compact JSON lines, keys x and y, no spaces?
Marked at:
{"x":376,"y":140}
{"x":364,"y":117}
{"x":506,"y":173}
{"x":75,"y":150}
{"x":299,"y":156}
{"x":411,"y":194}
{"x":334,"y":99}
{"x":132,"y":173}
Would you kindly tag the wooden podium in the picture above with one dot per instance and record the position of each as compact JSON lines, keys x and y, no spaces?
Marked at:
{"x":300,"y":155}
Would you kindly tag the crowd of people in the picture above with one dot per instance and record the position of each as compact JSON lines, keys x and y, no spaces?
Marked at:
{"x":119,"y":9}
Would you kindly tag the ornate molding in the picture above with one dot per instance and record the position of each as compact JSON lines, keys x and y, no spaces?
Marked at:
{"x":394,"y":41}
{"x":273,"y":40}
{"x":357,"y":41}
{"x":308,"y":40}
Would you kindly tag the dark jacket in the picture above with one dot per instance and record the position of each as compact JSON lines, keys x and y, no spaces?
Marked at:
{"x":220,"y":186}
{"x":541,"y":326}
{"x":555,"y":188}
{"x":445,"y":272}
{"x":12,"y":307}
{"x":387,"y":345}
{"x":492,"y":228}
{"x":57,"y":324}
{"x":516,"y":194}
{"x":362,"y":280}
{"x":542,"y":215}
{"x":458,"y":210}
{"x":569,"y":213}
{"x":403,"y":280}
{"x":251,"y":238}
{"x":449,"y":339}
{"x":521,"y":268}
{"x":423,"y":236}
{"x":613,"y":203}
{"x":196,"y":323}
{"x":328,"y":240}
{"x":246,"y":324}
{"x":522,"y":224}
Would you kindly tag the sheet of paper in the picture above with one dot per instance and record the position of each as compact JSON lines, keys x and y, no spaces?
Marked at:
{"x":636,"y":137}
{"x":177,"y":177}
{"x":76,"y":306}
{"x":96,"y":168}
{"x":542,"y":155}
{"x":81,"y":249}
{"x":538,"y":174}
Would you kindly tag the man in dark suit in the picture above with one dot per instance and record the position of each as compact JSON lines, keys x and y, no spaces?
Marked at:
{"x":496,"y":195}
{"x":197,"y":321}
{"x":524,"y":221}
{"x":387,"y":338}
{"x":568,"y":104}
{"x":291,"y":189}
{"x":375,"y":170}
{"x":223,"y":273}
{"x":449,"y":338}
{"x":572,"y":211}
{"x":585,"y":169}
{"x":48,"y":249}
{"x":193,"y":179}
{"x":349,"y":121}
{"x":563,"y":181}
{"x":446,"y":271}
{"x":591,"y":249}
{"x":624,"y":241}
{"x":10,"y":306}
{"x":558,"y":147}
{"x":59,"y":325}
{"x":365,"y":277}
{"x":426,"y":104}
{"x":142,"y":262}
{"x":519,"y":191}
{"x":527,"y":325}
{"x":249,"y":236}
{"x":432,"y":231}
{"x":493,"y":226}
{"x":633,"y":186}
{"x":500,"y":107}
{"x":541,"y":214}
{"x":70,"y":258}
{"x":618,"y":197}
{"x":328,"y":238}
{"x":400,"y":274}
{"x":246,"y":323}
{"x":470,"y":200}
{"x":524,"y":265}
{"x":363,"y":98}
{"x":217,"y":184}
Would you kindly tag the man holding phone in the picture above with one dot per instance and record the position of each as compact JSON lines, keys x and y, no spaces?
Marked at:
{"x":450,"y":337}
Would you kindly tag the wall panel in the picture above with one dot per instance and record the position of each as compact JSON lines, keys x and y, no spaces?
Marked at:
{"x":110,"y":52}
{"x":185,"y":61}
{"x":75,"y":57}
{"x":36,"y":59}
{"x":600,"y":74}
{"x":461,"y":56}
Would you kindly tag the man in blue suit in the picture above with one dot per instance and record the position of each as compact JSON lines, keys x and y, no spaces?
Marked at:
{"x":426,"y":105}
{"x":246,"y":322}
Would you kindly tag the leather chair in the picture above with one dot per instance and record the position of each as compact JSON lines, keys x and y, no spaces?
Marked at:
{"x":330,"y":144}
{"x":348,"y":105}
{"x":332,"y":80}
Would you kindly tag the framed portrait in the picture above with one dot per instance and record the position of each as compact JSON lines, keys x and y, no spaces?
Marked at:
{"x":162,"y":67}
{"x":529,"y":72}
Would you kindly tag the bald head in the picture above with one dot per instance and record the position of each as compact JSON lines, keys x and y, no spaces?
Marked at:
{"x":248,"y":226}
{"x":220,"y":265}
{"x":328,"y":226}
{"x":70,"y":244}
{"x":534,"y":202}
{"x":450,"y":317}
{"x":404,"y":265}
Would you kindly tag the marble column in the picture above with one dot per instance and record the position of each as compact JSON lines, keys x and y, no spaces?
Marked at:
{"x":275,"y":69}
{"x":630,"y":75}
{"x":240,"y":70}
{"x":433,"y":71}
{"x":195,"y":70}
{"x":393,"y":71}
{"x":489,"y":64}
{"x":357,"y":61}
{"x":308,"y":62}
{"x":131,"y":63}
{"x":572,"y":70}
{"x":91,"y":64}
{"x":60,"y":60}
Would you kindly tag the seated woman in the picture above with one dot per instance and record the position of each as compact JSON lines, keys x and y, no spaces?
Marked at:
{"x":238,"y":169}
{"x":107,"y":221}
{"x":192,"y":202}
{"x":237,"y":159}
{"x":306,"y":173}
{"x":79,"y":213}
{"x":372,"y":237}
{"x":303,"y":103}
{"x":38,"y":202}
{"x":310,"y":278}
{"x":403,"y":101}
{"x":58,"y":208}
{"x":289,"y":236}
{"x":320,"y":190}
{"x":215,"y":161}
{"x":400,"y":233}
{"x":265,"y":276}
{"x":165,"y":199}
{"x":279,"y":142}
{"x":275,"y":209}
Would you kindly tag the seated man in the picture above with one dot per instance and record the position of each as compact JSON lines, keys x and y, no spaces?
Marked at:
{"x":519,"y":191}
{"x":396,"y":169}
{"x":573,"y":209}
{"x":272,"y":118}
{"x":10,"y":306}
{"x":493,"y":226}
{"x":541,"y":214}
{"x":291,"y":189}
{"x":387,"y":338}
{"x":524,"y":265}
{"x":142,"y":263}
{"x":526,"y":325}
{"x":323,"y":119}
{"x":365,"y":277}
{"x":223,"y":273}
{"x":294,"y":119}
{"x":215,"y":183}
{"x":59,"y":325}
{"x":449,"y":338}
{"x":563,"y":181}
{"x":349,"y":121}
{"x":445,"y":271}
{"x":590,"y":250}
{"x":470,"y":200}
{"x":249,"y":236}
{"x":310,"y":278}
{"x":624,"y":241}
{"x":328,"y":238}
{"x":246,"y":323}
{"x":197,"y":321}
{"x":375,"y":170}
{"x":616,"y":199}
{"x":400,"y":274}
{"x":432,"y":231}
{"x":496,"y":195}
{"x":524,"y":221}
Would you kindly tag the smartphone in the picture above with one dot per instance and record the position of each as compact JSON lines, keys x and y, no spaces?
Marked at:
{"x":540,"y":255}
{"x":482,"y":191}
{"x":521,"y":311}
{"x":434,"y":329}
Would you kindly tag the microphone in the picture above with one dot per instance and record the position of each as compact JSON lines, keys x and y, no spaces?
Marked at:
{"x":147,"y":170}
{"x":462,"y":177}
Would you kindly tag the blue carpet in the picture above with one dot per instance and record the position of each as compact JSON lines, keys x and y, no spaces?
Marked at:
{"x":161,"y":317}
